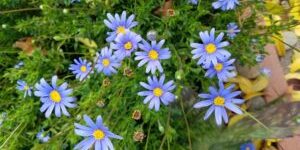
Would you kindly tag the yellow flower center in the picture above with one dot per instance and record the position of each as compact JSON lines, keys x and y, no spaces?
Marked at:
{"x":83,"y":68}
{"x":121,"y":29}
{"x":98,"y":134}
{"x":157,"y":92}
{"x":55,"y":96}
{"x":105,"y":62}
{"x":219,"y":101}
{"x":128,"y":45}
{"x":210,"y":48}
{"x":26,"y":87}
{"x":218,"y":66}
{"x":153,"y":54}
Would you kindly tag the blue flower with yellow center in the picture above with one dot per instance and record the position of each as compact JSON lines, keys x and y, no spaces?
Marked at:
{"x":218,"y":100}
{"x":223,"y":70}
{"x":23,"y":86}
{"x":152,"y":54}
{"x":125,"y":44}
{"x":211,"y":50}
{"x":42,"y":136}
{"x":232,"y":30}
{"x":54,"y":97}
{"x":119,"y":24}
{"x":225,"y":4}
{"x":157,"y":92}
{"x":107,"y":62}
{"x":96,"y":134}
{"x":247,"y":146}
{"x":81,"y":68}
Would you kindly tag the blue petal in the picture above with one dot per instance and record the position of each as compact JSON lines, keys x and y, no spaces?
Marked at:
{"x":203,"y":104}
{"x":209,"y":112}
{"x":218,"y":115}
{"x":89,"y":121}
{"x":233,"y":108}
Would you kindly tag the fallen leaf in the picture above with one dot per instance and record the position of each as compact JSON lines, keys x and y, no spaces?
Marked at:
{"x":25,"y":44}
{"x":279,"y":44}
{"x":260,"y":83}
{"x":87,"y":42}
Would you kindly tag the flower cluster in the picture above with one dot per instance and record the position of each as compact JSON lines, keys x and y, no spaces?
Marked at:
{"x":122,"y":44}
{"x":213,"y":57}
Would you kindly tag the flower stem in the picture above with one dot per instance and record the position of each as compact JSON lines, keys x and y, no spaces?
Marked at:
{"x":255,"y":119}
{"x":18,"y":10}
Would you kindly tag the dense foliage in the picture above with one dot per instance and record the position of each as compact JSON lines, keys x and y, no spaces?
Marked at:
{"x":62,"y":31}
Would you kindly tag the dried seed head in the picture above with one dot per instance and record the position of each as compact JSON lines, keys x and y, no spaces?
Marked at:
{"x":136,"y":115}
{"x":106,"y":82}
{"x":127,"y":72}
{"x":101,"y":103}
{"x":139,"y":136}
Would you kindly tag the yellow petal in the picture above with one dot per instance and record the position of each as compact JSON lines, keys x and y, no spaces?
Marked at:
{"x":295,"y":66}
{"x":245,"y":84}
{"x":292,"y":76}
{"x":236,"y":119}
{"x":296,"y":96}
{"x":251,"y":95}
{"x":274,"y":8}
{"x":260,"y":83}
{"x":297,"y":30}
{"x":279,"y":44}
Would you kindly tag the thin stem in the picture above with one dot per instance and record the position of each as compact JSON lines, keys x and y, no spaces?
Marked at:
{"x":10,"y":135}
{"x":19,"y":10}
{"x":164,"y":138}
{"x":255,"y":119}
{"x":65,"y":53}
{"x":295,"y":48}
{"x":187,"y":124}
{"x":148,"y":135}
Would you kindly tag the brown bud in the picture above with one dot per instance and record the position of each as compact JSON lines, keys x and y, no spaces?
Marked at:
{"x":139,"y":136}
{"x":106,"y":82}
{"x":136,"y":115}
{"x":127,"y":72}
{"x":170,"y":12}
{"x":100,"y":103}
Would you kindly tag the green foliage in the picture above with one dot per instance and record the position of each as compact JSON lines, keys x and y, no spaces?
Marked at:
{"x":57,"y":36}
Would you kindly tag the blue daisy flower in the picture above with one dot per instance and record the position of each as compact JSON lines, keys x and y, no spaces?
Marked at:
{"x":157,"y":92}
{"x":125,"y":44}
{"x":96,"y":134}
{"x":42,"y":136}
{"x":194,"y":2}
{"x":218,"y":100}
{"x":119,"y":25}
{"x":223,"y":70}
{"x":152,"y":54}
{"x":54,"y":97}
{"x":232,"y":30}
{"x":19,"y":65}
{"x":23,"y":86}
{"x":81,"y":68}
{"x":211,"y":50}
{"x":247,"y":146}
{"x":225,"y":4}
{"x":107,"y":62}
